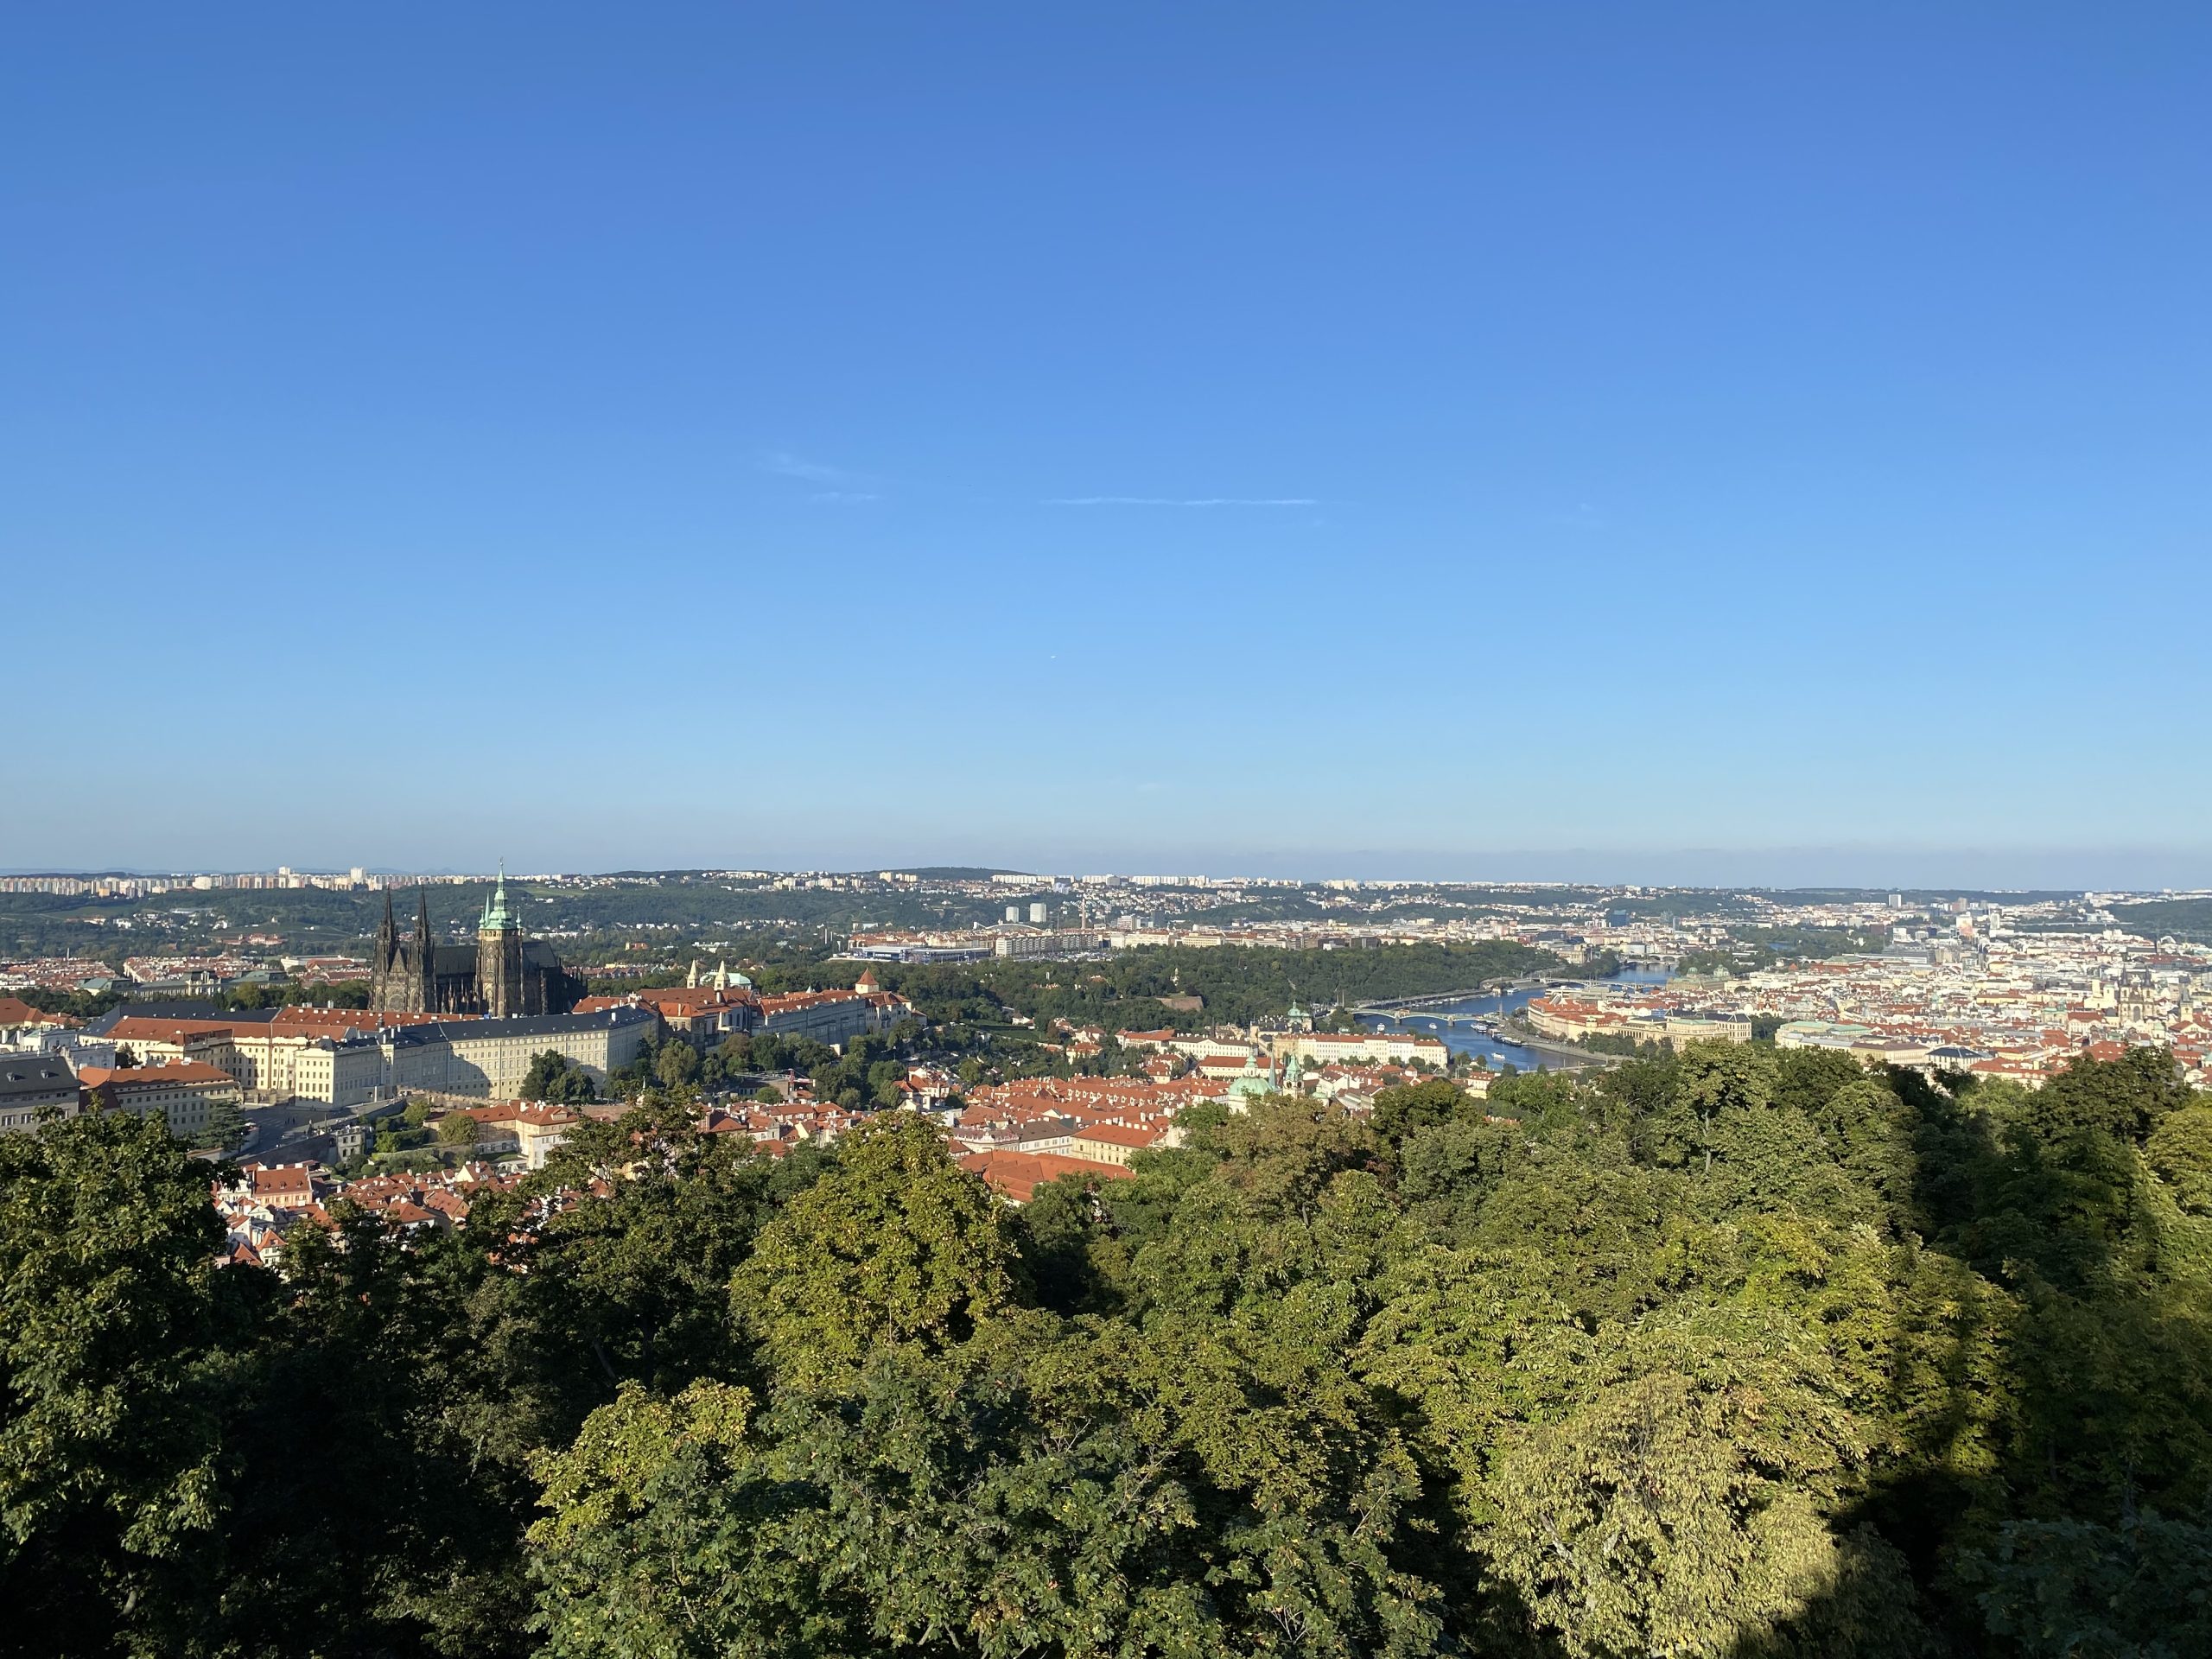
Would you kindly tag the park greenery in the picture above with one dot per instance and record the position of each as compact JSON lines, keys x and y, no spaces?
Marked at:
{"x":2186,"y":919}
{"x":997,"y":1019}
{"x":1150,"y":988}
{"x":1735,"y":1352}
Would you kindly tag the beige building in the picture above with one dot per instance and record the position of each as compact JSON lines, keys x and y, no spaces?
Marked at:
{"x":489,"y":1058}
{"x":522,"y":1131}
{"x":185,"y":1092}
{"x":329,"y":1055}
{"x":830,"y":1017}
{"x":336,"y":1073}
{"x":1113,"y":1143}
{"x":1355,"y":1047}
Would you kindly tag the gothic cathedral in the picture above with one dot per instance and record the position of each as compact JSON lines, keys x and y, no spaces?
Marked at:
{"x":505,"y":975}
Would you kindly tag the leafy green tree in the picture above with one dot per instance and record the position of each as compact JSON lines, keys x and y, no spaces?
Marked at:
{"x":373,"y":1372}
{"x":120,"y":1340}
{"x":1736,"y":1353}
{"x":1717,"y":1080}
{"x":677,"y":1065}
{"x":2180,"y":1153}
{"x":898,"y":1245}
{"x":1014,"y":1494}
{"x":1400,"y":1111}
{"x":2059,"y":1589}
{"x":226,"y":1125}
{"x":556,"y":1078}
{"x":633,"y":1287}
{"x":1676,"y":1507}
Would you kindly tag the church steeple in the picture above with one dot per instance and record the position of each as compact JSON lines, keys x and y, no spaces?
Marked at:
{"x":500,"y":985}
{"x":426,"y":974}
{"x":498,"y":919}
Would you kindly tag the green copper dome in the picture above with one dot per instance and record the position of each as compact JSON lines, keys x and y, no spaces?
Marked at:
{"x":498,"y":919}
{"x":1250,"y":1082}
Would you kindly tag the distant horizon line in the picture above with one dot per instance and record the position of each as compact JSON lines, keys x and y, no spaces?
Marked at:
{"x":1187,"y":877}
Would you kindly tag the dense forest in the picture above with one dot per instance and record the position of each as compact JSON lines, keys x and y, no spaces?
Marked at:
{"x":1236,"y":985}
{"x":2186,"y":919}
{"x":1739,"y":1353}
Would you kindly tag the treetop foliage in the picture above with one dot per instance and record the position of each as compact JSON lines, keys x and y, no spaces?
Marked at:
{"x":1734,"y":1352}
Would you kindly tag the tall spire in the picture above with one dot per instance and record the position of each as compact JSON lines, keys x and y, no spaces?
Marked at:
{"x":423,"y":993}
{"x":387,"y":943}
{"x":497,"y":916}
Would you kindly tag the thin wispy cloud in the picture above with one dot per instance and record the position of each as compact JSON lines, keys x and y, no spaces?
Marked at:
{"x":845,"y":495}
{"x":785,"y":464}
{"x":1182,"y":501}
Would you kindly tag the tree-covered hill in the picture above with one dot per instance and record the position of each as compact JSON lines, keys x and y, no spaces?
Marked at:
{"x":1740,"y":1353}
{"x":1236,"y":985}
{"x":2186,"y":919}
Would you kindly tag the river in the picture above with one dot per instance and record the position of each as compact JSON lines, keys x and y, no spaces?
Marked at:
{"x":1462,"y":1039}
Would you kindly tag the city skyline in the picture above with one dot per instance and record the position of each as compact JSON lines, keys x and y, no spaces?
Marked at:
{"x":1722,"y":443}
{"x":1861,"y":869}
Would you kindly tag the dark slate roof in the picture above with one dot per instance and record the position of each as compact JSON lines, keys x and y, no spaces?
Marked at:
{"x":35,"y":1077}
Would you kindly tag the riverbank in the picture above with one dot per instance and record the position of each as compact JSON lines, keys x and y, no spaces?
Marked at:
{"x":1390,"y":1007}
{"x":1510,"y":1044}
{"x":1522,"y":1037}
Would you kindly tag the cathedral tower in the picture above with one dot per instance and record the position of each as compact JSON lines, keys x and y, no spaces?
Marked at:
{"x":384,"y":962}
{"x":499,"y":979}
{"x":424,"y":988}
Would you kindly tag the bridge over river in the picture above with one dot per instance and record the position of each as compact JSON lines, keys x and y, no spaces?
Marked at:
{"x":1436,"y":1006}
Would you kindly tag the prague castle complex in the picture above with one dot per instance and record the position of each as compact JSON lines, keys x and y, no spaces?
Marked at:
{"x":502,"y":975}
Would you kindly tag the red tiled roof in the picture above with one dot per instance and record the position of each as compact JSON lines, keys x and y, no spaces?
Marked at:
{"x":152,"y":1076}
{"x":14,"y":1011}
{"x":1017,"y":1175}
{"x":1119,"y":1134}
{"x":140,"y":1028}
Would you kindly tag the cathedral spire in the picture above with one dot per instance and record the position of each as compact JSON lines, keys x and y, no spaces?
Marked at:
{"x":498,"y":919}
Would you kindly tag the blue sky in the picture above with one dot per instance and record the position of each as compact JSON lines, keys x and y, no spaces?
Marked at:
{"x":1723,"y":442}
